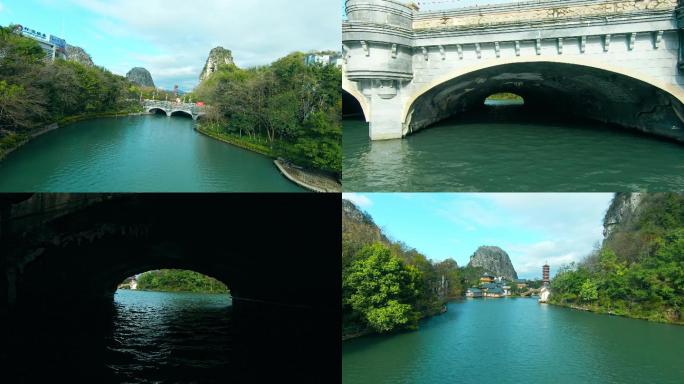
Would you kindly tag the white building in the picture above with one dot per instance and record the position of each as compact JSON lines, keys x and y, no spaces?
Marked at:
{"x":53,"y":46}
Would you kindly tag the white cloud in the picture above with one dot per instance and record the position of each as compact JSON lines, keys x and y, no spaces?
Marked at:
{"x":360,"y":200}
{"x":565,"y":226}
{"x":2,"y":7}
{"x":528,"y":258}
{"x":257,"y":31}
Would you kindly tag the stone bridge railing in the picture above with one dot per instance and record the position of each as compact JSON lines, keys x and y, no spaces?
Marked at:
{"x":554,"y":11}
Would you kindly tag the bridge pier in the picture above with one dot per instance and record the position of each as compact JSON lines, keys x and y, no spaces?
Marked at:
{"x":384,"y":100}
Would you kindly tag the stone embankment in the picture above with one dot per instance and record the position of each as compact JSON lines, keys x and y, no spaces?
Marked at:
{"x":311,"y":180}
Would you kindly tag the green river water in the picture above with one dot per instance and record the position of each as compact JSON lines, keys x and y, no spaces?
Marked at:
{"x":512,"y":341}
{"x":137,"y":154}
{"x":513,"y":156}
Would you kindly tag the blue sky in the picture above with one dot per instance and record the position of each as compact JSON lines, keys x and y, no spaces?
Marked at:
{"x":532,"y":228}
{"x":172,"y":38}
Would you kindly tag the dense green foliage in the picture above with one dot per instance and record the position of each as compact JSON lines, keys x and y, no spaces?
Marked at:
{"x":388,"y":286}
{"x":34,"y":92}
{"x":288,"y":107}
{"x":639,"y":270}
{"x":505,"y":96}
{"x":379,"y":286}
{"x":177,"y":280}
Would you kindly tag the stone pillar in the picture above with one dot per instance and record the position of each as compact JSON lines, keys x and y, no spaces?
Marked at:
{"x":378,"y":57}
{"x":386,"y":106}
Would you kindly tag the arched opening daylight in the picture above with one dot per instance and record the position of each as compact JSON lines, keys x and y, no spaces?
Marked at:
{"x":159,"y":319}
{"x":146,"y":288}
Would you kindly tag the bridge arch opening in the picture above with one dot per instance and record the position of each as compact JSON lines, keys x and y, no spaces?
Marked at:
{"x":351,"y":108}
{"x":68,"y":254}
{"x":173,"y":280}
{"x":504,"y":99}
{"x":157,"y":111}
{"x":562,"y":89}
{"x":353,"y":101}
{"x":181,"y":113}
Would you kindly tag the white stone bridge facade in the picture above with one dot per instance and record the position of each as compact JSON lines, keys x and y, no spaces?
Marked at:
{"x":173,"y":108}
{"x":615,"y":61}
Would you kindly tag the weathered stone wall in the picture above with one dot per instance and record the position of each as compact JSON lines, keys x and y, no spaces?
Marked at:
{"x":548,"y":11}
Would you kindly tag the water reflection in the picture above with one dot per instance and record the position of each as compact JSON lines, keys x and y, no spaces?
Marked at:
{"x":149,"y":337}
{"x":163,"y":336}
{"x":542,"y":155}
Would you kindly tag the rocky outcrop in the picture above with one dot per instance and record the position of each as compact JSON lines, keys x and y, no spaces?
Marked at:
{"x":217,"y":56}
{"x":140,"y":76}
{"x":351,"y":212}
{"x":493,"y":260}
{"x":622,"y":210}
{"x":359,"y":228}
{"x":78,"y":55}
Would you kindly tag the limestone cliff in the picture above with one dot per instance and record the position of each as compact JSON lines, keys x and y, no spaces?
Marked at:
{"x":78,"y":55}
{"x":494,"y":260}
{"x":140,"y":76}
{"x":623,"y":210}
{"x":358,"y":227}
{"x":217,"y":56}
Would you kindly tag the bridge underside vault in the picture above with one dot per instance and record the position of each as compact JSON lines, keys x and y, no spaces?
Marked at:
{"x":157,"y":111}
{"x":64,"y":254}
{"x":567,"y":89}
{"x":98,"y":244}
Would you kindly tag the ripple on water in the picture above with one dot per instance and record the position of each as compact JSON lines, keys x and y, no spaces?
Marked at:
{"x":167,"y":337}
{"x":137,"y":154}
{"x":511,"y":157}
{"x":511,"y":341}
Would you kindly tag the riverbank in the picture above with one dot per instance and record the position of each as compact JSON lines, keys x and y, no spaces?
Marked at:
{"x":666,"y":317}
{"x":313,"y":180}
{"x":14,"y":141}
{"x":357,"y":332}
{"x":176,"y":291}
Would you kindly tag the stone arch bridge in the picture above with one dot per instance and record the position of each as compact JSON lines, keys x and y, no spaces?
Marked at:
{"x":615,"y":61}
{"x":173,"y":108}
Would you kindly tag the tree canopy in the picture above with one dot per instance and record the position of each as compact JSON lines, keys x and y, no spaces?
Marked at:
{"x":35,"y":92}
{"x":292,"y":108}
{"x":638,"y":271}
{"x":178,"y":280}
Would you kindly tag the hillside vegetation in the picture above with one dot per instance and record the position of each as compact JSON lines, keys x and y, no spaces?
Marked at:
{"x":35,"y":92}
{"x":386,"y":285}
{"x":177,"y":280}
{"x":639,"y":269}
{"x":287,"y":109}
